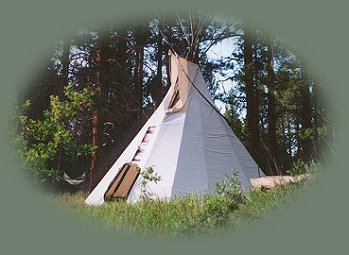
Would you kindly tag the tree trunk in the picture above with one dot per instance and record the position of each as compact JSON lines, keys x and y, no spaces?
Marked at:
{"x":272,"y":141}
{"x":65,"y":65}
{"x":168,"y":72}
{"x":95,"y":118}
{"x":252,"y":107}
{"x":289,"y":141}
{"x":94,"y":143}
{"x":306,"y":115}
{"x":316,"y":121}
{"x":123,"y":84}
{"x":139,"y":69}
{"x":158,"y":87}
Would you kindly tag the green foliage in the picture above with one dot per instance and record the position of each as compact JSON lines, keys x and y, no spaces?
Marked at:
{"x":149,"y":175}
{"x":259,"y":203}
{"x":300,"y":167}
{"x":217,"y":208}
{"x":44,"y":142}
{"x":231,"y":189}
{"x":216,"y":211}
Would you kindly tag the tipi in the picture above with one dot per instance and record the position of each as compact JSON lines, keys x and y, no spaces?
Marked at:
{"x":186,"y":141}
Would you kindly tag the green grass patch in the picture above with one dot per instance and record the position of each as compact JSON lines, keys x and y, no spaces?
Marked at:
{"x":186,"y":217}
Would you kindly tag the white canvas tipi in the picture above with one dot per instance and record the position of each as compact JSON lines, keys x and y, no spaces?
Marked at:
{"x":186,"y":141}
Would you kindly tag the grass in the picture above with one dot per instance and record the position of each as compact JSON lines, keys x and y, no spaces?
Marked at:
{"x":184,"y":217}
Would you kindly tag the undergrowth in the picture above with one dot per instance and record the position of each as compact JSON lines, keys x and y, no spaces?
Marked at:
{"x":190,"y":216}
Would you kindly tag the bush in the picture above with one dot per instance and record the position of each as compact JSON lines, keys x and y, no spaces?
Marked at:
{"x":216,"y":211}
{"x":230,"y":188}
{"x":300,"y":167}
{"x":47,"y":142}
{"x":218,"y":208}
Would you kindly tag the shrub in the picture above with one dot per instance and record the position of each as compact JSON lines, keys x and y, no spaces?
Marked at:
{"x":230,"y":188}
{"x":48,"y":142}
{"x":300,"y":167}
{"x":216,"y":211}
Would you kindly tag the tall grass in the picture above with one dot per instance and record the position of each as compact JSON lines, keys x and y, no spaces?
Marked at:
{"x":189,"y":216}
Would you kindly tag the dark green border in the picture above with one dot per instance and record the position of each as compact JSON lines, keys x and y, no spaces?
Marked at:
{"x":30,"y":224}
